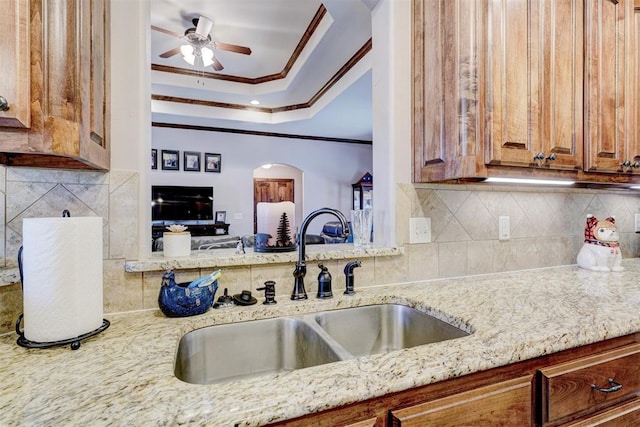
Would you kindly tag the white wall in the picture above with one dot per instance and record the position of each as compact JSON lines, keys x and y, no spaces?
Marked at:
{"x":329,"y":169}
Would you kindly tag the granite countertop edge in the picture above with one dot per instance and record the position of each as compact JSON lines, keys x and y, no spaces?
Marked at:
{"x":229,"y":257}
{"x":124,"y":376}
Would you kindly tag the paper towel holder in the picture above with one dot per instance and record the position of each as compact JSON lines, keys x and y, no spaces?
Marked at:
{"x":74,"y":342}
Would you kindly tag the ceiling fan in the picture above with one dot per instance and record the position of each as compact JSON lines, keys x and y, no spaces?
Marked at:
{"x":199,"y":45}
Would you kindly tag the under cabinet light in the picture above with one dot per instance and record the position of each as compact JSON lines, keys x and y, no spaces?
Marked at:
{"x":528,"y":181}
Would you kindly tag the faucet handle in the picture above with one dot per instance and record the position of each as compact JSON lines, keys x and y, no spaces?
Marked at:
{"x":348,"y":273}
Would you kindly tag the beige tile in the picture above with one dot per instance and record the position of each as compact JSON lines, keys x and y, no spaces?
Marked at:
{"x":123,"y":219}
{"x":475,"y":219}
{"x":453,"y":199}
{"x":122,"y":291}
{"x":151,"y":282}
{"x":392,"y":269}
{"x":452,"y":259}
{"x":422,"y":260}
{"x":480,"y":257}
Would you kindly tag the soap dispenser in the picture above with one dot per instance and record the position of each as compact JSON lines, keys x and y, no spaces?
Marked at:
{"x":324,"y":283}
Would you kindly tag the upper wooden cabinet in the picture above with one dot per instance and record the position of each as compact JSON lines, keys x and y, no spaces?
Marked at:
{"x":523,"y":87}
{"x":58,"y":85}
{"x":609,"y":60}
{"x":14,"y":67}
{"x":534,"y":79}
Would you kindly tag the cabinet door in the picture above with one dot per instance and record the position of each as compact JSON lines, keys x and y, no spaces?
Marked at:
{"x":504,"y":404}
{"x":608,"y":59}
{"x":634,"y":79}
{"x":534,"y":83}
{"x":94,"y":81}
{"x":446,"y":83}
{"x":15,"y":64}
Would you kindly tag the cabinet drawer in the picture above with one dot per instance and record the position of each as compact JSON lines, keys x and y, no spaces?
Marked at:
{"x":626,"y":414}
{"x":568,"y":388}
{"x":503,"y":404}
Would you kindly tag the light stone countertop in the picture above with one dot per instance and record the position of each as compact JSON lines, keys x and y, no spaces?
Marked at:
{"x":124,"y":376}
{"x":228,"y":257}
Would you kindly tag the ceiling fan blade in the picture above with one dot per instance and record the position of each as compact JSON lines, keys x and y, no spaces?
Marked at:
{"x":162,"y":30}
{"x":216,"y":64}
{"x":233,"y":48}
{"x":170,"y":53}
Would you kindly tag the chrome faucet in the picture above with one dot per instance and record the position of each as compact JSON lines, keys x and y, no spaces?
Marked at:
{"x":299,"y":293}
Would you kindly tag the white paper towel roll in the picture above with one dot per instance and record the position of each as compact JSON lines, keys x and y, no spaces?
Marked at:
{"x":62,"y":269}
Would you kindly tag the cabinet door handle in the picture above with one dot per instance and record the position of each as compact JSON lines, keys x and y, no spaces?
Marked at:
{"x":4,"y":104}
{"x":613,"y":387}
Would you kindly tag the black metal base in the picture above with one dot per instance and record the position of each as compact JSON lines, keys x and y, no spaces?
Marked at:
{"x":75,"y":342}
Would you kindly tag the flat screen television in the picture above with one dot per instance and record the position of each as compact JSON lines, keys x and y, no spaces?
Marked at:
{"x":171,"y":203}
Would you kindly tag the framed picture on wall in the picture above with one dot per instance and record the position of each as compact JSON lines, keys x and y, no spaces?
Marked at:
{"x":221,"y":216}
{"x":170,"y":160}
{"x":154,"y":158}
{"x":212,"y":162}
{"x":192,"y":161}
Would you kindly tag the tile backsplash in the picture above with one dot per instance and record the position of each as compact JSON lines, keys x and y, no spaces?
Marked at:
{"x":546,"y":226}
{"x":546,"y":230}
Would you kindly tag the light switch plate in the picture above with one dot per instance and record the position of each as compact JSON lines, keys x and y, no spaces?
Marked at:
{"x":419,"y":230}
{"x":637,"y":223}
{"x":504,"y":228}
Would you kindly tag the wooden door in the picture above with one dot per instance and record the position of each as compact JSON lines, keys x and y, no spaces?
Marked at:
{"x":271,"y":190}
{"x":534,"y":90}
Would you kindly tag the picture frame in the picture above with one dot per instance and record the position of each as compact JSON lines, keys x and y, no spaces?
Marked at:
{"x":221,"y":217}
{"x":154,"y":158}
{"x":170,"y":160}
{"x":212,"y":162}
{"x":191,"y":161}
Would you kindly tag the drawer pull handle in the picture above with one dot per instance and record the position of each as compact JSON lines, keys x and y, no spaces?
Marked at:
{"x":614,"y":386}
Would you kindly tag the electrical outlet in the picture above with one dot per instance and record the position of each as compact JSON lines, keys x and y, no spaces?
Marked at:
{"x":504,"y":228}
{"x":637,"y":223}
{"x":419,"y":230}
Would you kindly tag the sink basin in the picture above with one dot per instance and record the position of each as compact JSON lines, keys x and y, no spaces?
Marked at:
{"x":374,"y":329}
{"x":241,"y":350}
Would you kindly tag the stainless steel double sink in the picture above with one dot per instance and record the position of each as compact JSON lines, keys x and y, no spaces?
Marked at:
{"x":247,"y":349}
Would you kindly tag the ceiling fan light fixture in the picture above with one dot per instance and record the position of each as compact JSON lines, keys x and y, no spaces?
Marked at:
{"x":207,"y":56}
{"x":187,"y":53}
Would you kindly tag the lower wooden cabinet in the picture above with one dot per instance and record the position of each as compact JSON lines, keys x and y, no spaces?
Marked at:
{"x":507,"y":403}
{"x":552,"y":390}
{"x":626,"y":414}
{"x":587,"y":384}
